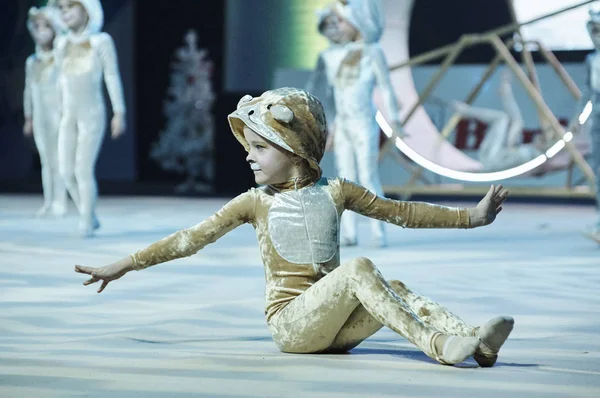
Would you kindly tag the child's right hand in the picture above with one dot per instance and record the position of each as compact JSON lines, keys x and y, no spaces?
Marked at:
{"x":28,"y":127}
{"x":105,"y":274}
{"x":488,"y":208}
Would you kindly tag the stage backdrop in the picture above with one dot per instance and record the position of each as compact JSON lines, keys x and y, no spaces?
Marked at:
{"x":18,"y":158}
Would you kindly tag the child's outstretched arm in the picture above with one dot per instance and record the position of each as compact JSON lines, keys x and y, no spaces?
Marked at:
{"x":422,"y":215}
{"x":183,"y":243}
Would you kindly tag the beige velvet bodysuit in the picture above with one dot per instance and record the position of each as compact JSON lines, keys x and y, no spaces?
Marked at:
{"x":298,"y":236}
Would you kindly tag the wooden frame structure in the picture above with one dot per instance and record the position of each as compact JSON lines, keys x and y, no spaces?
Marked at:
{"x":550,"y":125}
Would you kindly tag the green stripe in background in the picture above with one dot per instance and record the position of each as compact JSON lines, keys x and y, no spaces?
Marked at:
{"x":300,"y":42}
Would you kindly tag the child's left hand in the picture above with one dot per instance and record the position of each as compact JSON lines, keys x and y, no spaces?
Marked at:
{"x":486,"y":210}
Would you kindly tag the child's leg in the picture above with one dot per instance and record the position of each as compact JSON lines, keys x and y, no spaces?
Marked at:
{"x":362,"y":325}
{"x":346,"y":168}
{"x":312,"y":321}
{"x":89,"y":141}
{"x":67,"y":147}
{"x":59,"y":192}
{"x":40,"y":136}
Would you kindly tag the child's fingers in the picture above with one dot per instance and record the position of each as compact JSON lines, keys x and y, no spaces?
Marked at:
{"x":104,"y":283}
{"x":501,"y":197}
{"x":499,"y":209}
{"x":501,"y":193}
{"x":490,"y":192}
{"x":84,"y":270}
{"x":90,"y":281}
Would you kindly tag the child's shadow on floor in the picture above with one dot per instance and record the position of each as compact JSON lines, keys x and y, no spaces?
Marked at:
{"x":420,"y":356}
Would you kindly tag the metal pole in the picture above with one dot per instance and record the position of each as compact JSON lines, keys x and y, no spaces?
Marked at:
{"x":501,"y":31}
{"x":541,"y":105}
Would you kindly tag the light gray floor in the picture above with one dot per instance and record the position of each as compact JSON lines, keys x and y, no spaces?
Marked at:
{"x":195,"y":327}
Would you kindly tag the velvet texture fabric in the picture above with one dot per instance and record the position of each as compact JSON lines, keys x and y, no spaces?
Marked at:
{"x":301,"y":266}
{"x":312,"y":303}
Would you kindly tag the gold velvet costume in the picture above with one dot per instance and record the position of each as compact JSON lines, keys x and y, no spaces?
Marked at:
{"x":312,"y":303}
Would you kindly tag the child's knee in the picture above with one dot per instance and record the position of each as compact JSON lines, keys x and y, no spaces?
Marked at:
{"x":360,"y":265}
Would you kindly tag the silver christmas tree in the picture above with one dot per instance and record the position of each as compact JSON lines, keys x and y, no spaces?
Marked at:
{"x":186,"y":145}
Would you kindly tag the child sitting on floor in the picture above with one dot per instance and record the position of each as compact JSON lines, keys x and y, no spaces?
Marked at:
{"x":314,"y":304}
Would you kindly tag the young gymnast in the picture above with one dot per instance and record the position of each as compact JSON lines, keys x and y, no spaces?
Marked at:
{"x":86,"y":55}
{"x":355,"y":65}
{"x":314,"y":304}
{"x":42,"y":106}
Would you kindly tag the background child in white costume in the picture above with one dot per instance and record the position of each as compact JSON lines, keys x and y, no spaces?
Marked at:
{"x":353,"y":70}
{"x":42,"y":105}
{"x":86,"y":55}
{"x":320,"y":81}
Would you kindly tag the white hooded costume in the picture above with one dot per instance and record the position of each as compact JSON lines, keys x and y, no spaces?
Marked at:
{"x":42,"y":105}
{"x":84,"y":59}
{"x":353,"y":70}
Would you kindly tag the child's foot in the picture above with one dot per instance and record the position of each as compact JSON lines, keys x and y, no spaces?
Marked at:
{"x":348,"y":241}
{"x":43,"y":211}
{"x":95,"y":223}
{"x":450,"y":350}
{"x":491,"y":337}
{"x":87,"y":228}
{"x":379,"y":243}
{"x":59,"y":210}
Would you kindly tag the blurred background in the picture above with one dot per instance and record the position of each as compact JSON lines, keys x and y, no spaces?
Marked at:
{"x":254,"y":45}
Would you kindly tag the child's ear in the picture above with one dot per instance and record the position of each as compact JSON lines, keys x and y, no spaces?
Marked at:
{"x":246,"y":98}
{"x":282,"y":113}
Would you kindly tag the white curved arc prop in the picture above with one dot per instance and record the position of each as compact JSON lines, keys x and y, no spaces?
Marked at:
{"x":470,"y":176}
{"x":444,"y":159}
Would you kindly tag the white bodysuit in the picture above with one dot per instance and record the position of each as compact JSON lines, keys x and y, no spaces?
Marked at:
{"x":41,"y":103}
{"x":84,"y":60}
{"x":354,"y":70}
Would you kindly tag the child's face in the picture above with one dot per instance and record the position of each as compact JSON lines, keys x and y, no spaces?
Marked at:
{"x":73,"y":14}
{"x":348,"y":32}
{"x":330,"y":29}
{"x":270,"y":163}
{"x":43,"y":34}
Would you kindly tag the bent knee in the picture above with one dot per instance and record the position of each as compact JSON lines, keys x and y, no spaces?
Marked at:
{"x":360,"y":264}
